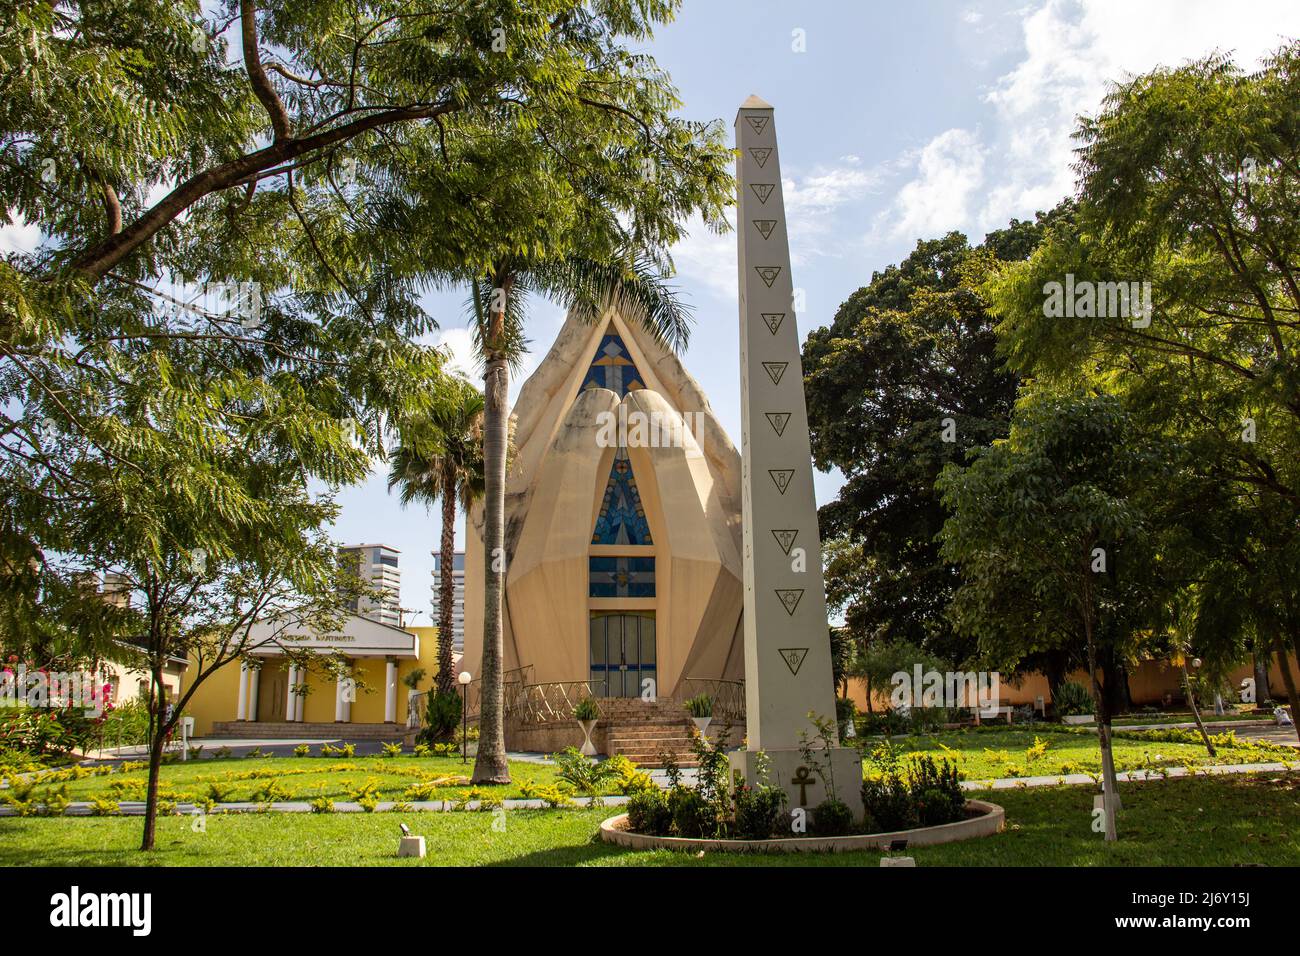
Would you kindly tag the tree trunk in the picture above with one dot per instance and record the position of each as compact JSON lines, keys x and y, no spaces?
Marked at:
{"x":1110,"y":793}
{"x":1196,"y":711}
{"x":157,"y":724}
{"x":1289,"y":681}
{"x":446,"y":682}
{"x":490,"y":764}
{"x":1260,"y":665}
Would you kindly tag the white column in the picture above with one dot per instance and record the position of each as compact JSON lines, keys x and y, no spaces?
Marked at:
{"x":241,"y":708}
{"x":291,"y":707}
{"x":340,"y":704}
{"x":253,"y":674}
{"x":390,"y":692}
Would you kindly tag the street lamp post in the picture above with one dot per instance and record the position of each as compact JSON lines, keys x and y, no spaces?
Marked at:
{"x":464,"y":716}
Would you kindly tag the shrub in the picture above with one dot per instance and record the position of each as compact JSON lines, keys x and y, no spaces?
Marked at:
{"x":757,"y":810}
{"x":832,"y":817}
{"x":700,"y":706}
{"x":391,"y":750}
{"x":99,"y":807}
{"x":441,"y":717}
{"x":422,"y":750}
{"x":936,"y":791}
{"x":649,"y":812}
{"x":1071,"y":699}
{"x":692,"y":815}
{"x":888,"y":803}
{"x":629,"y":779}
{"x":585,"y":774}
{"x":302,"y":750}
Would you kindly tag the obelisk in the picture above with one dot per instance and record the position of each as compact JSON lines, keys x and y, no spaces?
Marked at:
{"x":787,"y":642}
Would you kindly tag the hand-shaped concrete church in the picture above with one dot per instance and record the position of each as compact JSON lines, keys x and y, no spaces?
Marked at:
{"x":623,"y":524}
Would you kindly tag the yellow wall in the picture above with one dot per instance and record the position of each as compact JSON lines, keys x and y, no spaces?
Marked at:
{"x":1148,"y":685}
{"x":217,"y":698}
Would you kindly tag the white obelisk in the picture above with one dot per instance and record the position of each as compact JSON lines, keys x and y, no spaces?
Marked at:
{"x":787,"y":642}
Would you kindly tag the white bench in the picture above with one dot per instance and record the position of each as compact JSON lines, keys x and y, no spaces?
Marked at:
{"x":1003,"y":710}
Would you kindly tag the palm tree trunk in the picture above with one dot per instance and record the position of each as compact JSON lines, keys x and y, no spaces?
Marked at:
{"x":490,"y":764}
{"x":446,"y":683}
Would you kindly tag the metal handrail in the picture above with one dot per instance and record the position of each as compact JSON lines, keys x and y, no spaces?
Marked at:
{"x":728,"y":695}
{"x":552,"y":701}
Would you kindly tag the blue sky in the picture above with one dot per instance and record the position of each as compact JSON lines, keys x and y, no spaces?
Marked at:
{"x":896,"y":122}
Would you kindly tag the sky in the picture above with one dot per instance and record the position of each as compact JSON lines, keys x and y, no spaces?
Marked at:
{"x":896,"y":122}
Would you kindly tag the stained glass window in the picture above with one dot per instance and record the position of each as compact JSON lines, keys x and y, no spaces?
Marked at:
{"x":622,"y":516}
{"x":613,"y":368}
{"x":621,"y":577}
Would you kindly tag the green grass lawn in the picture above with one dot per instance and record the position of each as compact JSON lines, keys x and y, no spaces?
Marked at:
{"x":300,"y":778}
{"x":987,"y":754}
{"x":1192,"y":822}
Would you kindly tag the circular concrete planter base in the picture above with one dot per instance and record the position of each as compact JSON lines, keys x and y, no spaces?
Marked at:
{"x":986,"y":819}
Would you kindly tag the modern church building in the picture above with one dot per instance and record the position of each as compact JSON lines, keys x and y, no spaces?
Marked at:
{"x":623,"y":524}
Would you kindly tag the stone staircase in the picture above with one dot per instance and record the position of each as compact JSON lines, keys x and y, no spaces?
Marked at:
{"x":281,"y":730}
{"x":644,"y":731}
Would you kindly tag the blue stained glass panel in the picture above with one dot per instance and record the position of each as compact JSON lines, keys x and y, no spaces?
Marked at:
{"x":622,"y":517}
{"x":612,"y":368}
{"x":621,"y":577}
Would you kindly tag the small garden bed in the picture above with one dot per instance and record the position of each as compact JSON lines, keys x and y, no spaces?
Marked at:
{"x":981,"y":819}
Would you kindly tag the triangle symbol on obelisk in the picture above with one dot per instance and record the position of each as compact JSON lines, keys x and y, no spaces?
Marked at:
{"x":773,"y":320}
{"x":785,"y":538}
{"x":758,"y":122}
{"x":782,"y":477}
{"x":760,"y":154}
{"x":793,"y":657}
{"x":775,"y":370}
{"x":790,"y":598}
{"x":765,"y":226}
{"x":768,"y":274}
{"x":762,"y":190}
{"x":778,"y":420}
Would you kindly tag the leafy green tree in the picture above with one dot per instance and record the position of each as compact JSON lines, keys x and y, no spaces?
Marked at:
{"x":1189,"y":180}
{"x":1064,"y":507}
{"x":440,"y":458}
{"x":905,"y":380}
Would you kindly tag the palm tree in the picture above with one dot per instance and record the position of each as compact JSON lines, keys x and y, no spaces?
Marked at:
{"x":440,"y":458}
{"x":627,"y":284}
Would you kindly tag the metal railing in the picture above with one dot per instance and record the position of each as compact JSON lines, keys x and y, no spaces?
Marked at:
{"x":554,"y":701}
{"x":549,"y":702}
{"x":728,"y":696}
{"x":513,"y":681}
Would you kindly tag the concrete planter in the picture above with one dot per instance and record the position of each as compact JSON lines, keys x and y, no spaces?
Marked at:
{"x":588,"y":748}
{"x":1079,"y":719}
{"x":702,"y":723}
{"x":988,"y":818}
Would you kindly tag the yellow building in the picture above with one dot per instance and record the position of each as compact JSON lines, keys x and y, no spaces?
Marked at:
{"x":278,"y":698}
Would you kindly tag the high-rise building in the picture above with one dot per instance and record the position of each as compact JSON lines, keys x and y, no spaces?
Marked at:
{"x":458,"y":599}
{"x":376,"y":566}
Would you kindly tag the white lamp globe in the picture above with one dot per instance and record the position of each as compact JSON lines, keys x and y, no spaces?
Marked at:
{"x":464,"y":677}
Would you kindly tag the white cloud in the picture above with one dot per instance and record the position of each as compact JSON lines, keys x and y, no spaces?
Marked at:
{"x":1071,"y":51}
{"x":950,"y":172}
{"x":19,"y":236}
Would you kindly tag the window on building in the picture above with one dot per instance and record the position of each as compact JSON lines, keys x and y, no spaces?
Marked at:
{"x":612,"y":368}
{"x":621,"y":577}
{"x":622,"y":517}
